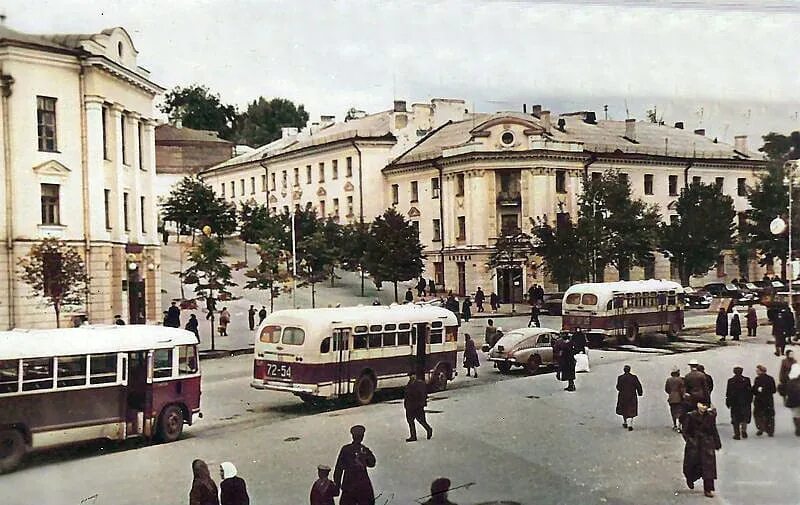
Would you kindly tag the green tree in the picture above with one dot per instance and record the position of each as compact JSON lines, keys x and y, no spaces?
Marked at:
{"x":197,"y":107}
{"x":268,"y":275}
{"x":702,"y":229}
{"x":394,"y":252}
{"x":263,"y":120}
{"x":511,"y":251}
{"x":353,"y":253}
{"x":332,"y":232}
{"x":255,"y":224}
{"x":562,"y":251}
{"x":192,"y":205}
{"x":56,"y":272}
{"x":316,"y":260}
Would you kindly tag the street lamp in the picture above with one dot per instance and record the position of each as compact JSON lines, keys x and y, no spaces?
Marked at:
{"x":604,"y":214}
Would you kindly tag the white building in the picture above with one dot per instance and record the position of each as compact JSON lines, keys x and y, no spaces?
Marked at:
{"x":78,"y":163}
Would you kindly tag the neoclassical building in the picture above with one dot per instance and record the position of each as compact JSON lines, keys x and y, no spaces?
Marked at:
{"x":78,"y":163}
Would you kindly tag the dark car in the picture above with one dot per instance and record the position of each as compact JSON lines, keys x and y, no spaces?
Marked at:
{"x":695,"y":298}
{"x":727,"y":290}
{"x":552,"y":304}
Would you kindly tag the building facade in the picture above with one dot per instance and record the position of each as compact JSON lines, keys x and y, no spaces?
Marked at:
{"x":78,"y":164}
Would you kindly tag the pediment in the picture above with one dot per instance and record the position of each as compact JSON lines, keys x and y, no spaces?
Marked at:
{"x":413,"y":212}
{"x":348,"y":186}
{"x":52,"y":167}
{"x":672,"y":205}
{"x":273,"y":199}
{"x":321,"y":191}
{"x":530,"y":127}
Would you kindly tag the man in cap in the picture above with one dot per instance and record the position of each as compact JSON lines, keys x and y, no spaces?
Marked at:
{"x":738,"y":398}
{"x":416,"y":398}
{"x":709,"y":381}
{"x":118,"y":320}
{"x":675,"y":388}
{"x":763,"y":402}
{"x":350,"y":474}
{"x":696,"y":383}
{"x":324,"y":490}
{"x":439,"y":489}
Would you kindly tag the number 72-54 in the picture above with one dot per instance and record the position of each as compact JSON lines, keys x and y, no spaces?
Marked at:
{"x":279,"y":370}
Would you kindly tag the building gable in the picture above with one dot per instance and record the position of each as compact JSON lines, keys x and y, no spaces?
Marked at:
{"x":52,"y":168}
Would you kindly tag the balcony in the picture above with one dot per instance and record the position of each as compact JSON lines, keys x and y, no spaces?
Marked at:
{"x":509,"y":198}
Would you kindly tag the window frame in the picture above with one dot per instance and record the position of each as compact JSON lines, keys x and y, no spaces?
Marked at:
{"x":435,"y":188}
{"x":105,"y":374}
{"x":648,"y":184}
{"x":460,"y":184}
{"x":126,"y":211}
{"x":50,"y":204}
{"x":414,"y":191}
{"x":673,"y":188}
{"x":47,"y":123}
{"x":561,"y":182}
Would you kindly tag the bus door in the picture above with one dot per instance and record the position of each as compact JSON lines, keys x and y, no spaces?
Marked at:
{"x":420,"y":348}
{"x":138,"y":397}
{"x":618,"y":318}
{"x":341,"y":350}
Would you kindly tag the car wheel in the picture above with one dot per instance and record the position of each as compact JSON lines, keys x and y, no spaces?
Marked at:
{"x":504,"y":366}
{"x":365,"y":390}
{"x":170,"y":424}
{"x":533,"y":364}
{"x":12,"y":450}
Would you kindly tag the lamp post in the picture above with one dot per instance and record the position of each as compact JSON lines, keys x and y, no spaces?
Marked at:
{"x":294,"y":263}
{"x":207,"y":232}
{"x":604,"y":214}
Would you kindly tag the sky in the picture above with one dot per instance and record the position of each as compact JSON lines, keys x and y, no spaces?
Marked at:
{"x":729,"y":67}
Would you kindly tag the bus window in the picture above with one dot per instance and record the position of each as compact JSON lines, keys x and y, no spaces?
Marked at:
{"x":71,"y":371}
{"x":403,"y":336}
{"x":359,"y":341}
{"x":436,"y":324}
{"x":671,"y":298}
{"x":375,"y":328}
{"x":340,"y":342}
{"x":37,"y":373}
{"x":360,"y":329}
{"x":293,"y":336}
{"x":589,"y":299}
{"x":9,"y":376}
{"x":609,"y":304}
{"x":325,"y":346}
{"x":270,"y":334}
{"x":187,"y":360}
{"x":389,"y":335}
{"x":375,"y":340}
{"x":662,"y":298}
{"x":436,"y":336}
{"x":619,"y":302}
{"x":573,"y":299}
{"x":162,"y":363}
{"x":103,"y":367}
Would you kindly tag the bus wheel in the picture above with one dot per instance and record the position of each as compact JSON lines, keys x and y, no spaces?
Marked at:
{"x":533,"y":364}
{"x":504,"y":366}
{"x":439,"y":378}
{"x":170,"y":424}
{"x":365,"y":390}
{"x":631,"y":335}
{"x":12,"y":450}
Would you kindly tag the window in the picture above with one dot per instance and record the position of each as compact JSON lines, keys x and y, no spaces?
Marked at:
{"x":322,"y":171}
{"x":270,"y":334}
{"x":596,"y":176}
{"x":437,"y":230}
{"x":623,"y":177}
{"x":375,"y":336}
{"x":263,"y":183}
{"x":37,"y":373}
{"x":322,"y":208}
{"x":389,"y":335}
{"x":673,"y":185}
{"x":395,"y":194}
{"x":435,"y":187}
{"x":349,"y":167}
{"x":349,"y":205}
{"x":404,"y":334}
{"x":233,"y":189}
{"x":296,"y":176}
{"x":360,"y":337}
{"x":459,"y":184}
{"x":9,"y":376}
{"x":241,"y":187}
{"x":742,"y":220}
{"x":187,"y":360}
{"x":104,"y":116}
{"x":415,"y":225}
{"x":648,"y":184}
{"x":336,"y":208}
{"x":438,"y":273}
{"x":284,"y":179}
{"x":335,"y":169}
{"x":71,"y":371}
{"x":123,"y":138}
{"x":252,"y":185}
{"x":462,"y":228}
{"x":673,"y":219}
{"x":561,"y":181}
{"x":162,"y":363}
{"x":696,"y":179}
{"x":507,"y":138}
{"x":223,"y":189}
{"x":509,"y":224}
{"x":141,"y":213}
{"x":125,"y":211}
{"x":140,"y":144}
{"x":293,"y":336}
{"x":741,"y":186}
{"x":46,"y":121}
{"x":414,"y":191}
{"x":308,"y":174}
{"x":50,"y":204}
{"x":719,"y":182}
{"x":573,"y":299}
{"x":325,"y":346}
{"x":436,"y":336}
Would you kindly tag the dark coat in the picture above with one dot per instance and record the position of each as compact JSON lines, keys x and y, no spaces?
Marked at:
{"x":752,"y":318}
{"x":416,"y":396}
{"x":409,"y":296}
{"x":783,"y":373}
{"x":471,"y":355}
{"x":722,"y":324}
{"x":702,"y":442}
{"x":494,"y":300}
{"x":697,"y":385}
{"x":739,"y":398}
{"x":787,"y":325}
{"x":763,"y":400}
{"x":675,"y":388}
{"x":479,"y":297}
{"x":262,"y":314}
{"x":451,"y":304}
{"x":431,"y":287}
{"x":233,"y":491}
{"x":350,"y":473}
{"x":629,"y":389}
{"x":191,"y":325}
{"x":466,"y":312}
{"x":204,"y":492}
{"x":736,"y":326}
{"x":793,"y":393}
{"x":566,"y":360}
{"x":323,"y":491}
{"x":251,"y":317}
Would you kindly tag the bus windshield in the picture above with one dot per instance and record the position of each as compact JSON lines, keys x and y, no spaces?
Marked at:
{"x":271,"y":334}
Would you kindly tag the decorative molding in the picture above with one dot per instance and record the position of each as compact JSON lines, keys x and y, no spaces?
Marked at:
{"x":413,"y":212}
{"x":52,"y":167}
{"x":348,"y":186}
{"x":321,"y":191}
{"x":273,"y":199}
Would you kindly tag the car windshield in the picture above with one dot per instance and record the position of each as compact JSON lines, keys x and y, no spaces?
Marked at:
{"x":689,"y":291}
{"x":750,"y":285}
{"x":731,"y":287}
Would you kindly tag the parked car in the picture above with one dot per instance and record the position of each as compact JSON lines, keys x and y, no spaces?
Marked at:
{"x":530,"y":348}
{"x":728,"y":290}
{"x":552,"y":304}
{"x":695,"y":298}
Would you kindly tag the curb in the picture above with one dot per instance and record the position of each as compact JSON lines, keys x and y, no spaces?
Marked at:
{"x":217,"y":354}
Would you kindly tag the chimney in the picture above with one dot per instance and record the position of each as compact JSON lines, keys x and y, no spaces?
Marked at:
{"x":544,"y":118}
{"x":590,"y":117}
{"x":740,"y":143}
{"x":562,"y":124}
{"x":288,"y":131}
{"x":327,"y":120}
{"x":536,"y":110}
{"x":700,"y":131}
{"x":679,"y":125}
{"x":630,"y":129}
{"x":400,"y":106}
{"x":524,"y":108}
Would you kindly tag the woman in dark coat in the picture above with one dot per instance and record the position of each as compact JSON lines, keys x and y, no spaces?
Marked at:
{"x":736,"y":326}
{"x":191,"y":325}
{"x":764,"y":402}
{"x":702,"y":442}
{"x":566,"y":362}
{"x":466,"y":312}
{"x":778,"y":334}
{"x":470,"y":355}
{"x":629,"y":389}
{"x":739,"y":398}
{"x":752,"y":321}
{"x":204,"y":491}
{"x":233,"y":490}
{"x":722,"y":323}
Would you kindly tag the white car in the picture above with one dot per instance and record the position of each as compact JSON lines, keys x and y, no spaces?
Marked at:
{"x":531,"y":348}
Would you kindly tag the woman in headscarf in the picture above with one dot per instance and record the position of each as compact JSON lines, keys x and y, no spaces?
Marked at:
{"x":204,"y":491}
{"x":233,"y":490}
{"x":736,"y":325}
{"x":470,"y":356}
{"x":793,"y":396}
{"x":722,"y":324}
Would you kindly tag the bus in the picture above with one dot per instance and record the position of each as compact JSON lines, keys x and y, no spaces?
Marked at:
{"x":352,"y":351}
{"x":623,"y":309}
{"x":94,"y":382}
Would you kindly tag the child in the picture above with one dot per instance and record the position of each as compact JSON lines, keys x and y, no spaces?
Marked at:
{"x":324,"y":489}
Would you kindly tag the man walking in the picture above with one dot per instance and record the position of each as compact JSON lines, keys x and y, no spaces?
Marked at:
{"x":488,"y":335}
{"x":739,"y":398}
{"x":409,"y":296}
{"x":350,"y":474}
{"x":702,"y":442}
{"x":421,"y":287}
{"x":494,"y":301}
{"x":709,"y":381}
{"x":173,"y":316}
{"x":629,"y":389}
{"x":675,"y":389}
{"x":431,"y":287}
{"x":262,"y":314}
{"x":480,"y":297}
{"x":416,"y":398}
{"x":324,"y":490}
{"x":752,"y":321}
{"x":211,"y":306}
{"x":764,"y":402}
{"x":251,"y":317}
{"x":534,"y":316}
{"x":696,"y":383}
{"x":566,"y":362}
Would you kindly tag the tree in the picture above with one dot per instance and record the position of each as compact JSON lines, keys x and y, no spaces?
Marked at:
{"x":197,"y":107}
{"x":561,"y":250}
{"x":332,"y":232}
{"x":316,"y":260}
{"x":268,"y":275}
{"x":394,"y":252}
{"x":55,"y":271}
{"x":510,"y":251}
{"x":192,"y":205}
{"x":254,"y":224}
{"x":702,"y":229}
{"x":353,"y":252}
{"x":263,"y":120}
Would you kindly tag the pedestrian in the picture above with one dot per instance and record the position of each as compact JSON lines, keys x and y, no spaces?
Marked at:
{"x":232,"y":488}
{"x":431,"y":287}
{"x":350,"y":474}
{"x":539,"y":295}
{"x":702,"y":442}
{"x":118,"y":320}
{"x":566,"y":362}
{"x":165,"y":319}
{"x":532,"y":294}
{"x":736,"y":326}
{"x":498,"y":334}
{"x":224,"y":320}
{"x":793,"y":396}
{"x":409,"y":296}
{"x":480,"y":297}
{"x":470,"y":355}
{"x":466,"y":312}
{"x":722,"y":324}
{"x":709,"y":381}
{"x":764,"y":402}
{"x":494,"y":301}
{"x":534,"y":316}
{"x":788,"y":325}
{"x":752,"y":321}
{"x":262,"y":314}
{"x":191,"y":325}
{"x":675,"y":389}
{"x":415,"y":400}
{"x":783,"y":372}
{"x":739,"y":398}
{"x":204,"y":491}
{"x":579,"y":341}
{"x":251,"y":317}
{"x":696,"y":384}
{"x":173,"y":316}
{"x":488,"y":333}
{"x":164,"y":235}
{"x":451,"y":304}
{"x":439,"y":489}
{"x":421,"y":287}
{"x":324,"y":489}
{"x":211,"y":306}
{"x":629,"y":390}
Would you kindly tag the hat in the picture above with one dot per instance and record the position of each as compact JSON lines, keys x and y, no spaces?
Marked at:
{"x":323,"y":468}
{"x":762,"y":368}
{"x":693,"y":362}
{"x":440,"y":485}
{"x":358,"y":430}
{"x":738,"y":370}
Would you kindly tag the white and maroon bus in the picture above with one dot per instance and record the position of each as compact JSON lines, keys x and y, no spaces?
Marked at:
{"x":93,"y":382}
{"x":337,"y":352}
{"x":623,"y":309}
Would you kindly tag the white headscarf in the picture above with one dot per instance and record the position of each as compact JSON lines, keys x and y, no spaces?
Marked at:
{"x":228,"y":470}
{"x":794,"y":372}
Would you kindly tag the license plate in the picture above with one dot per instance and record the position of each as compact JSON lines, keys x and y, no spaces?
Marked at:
{"x":280,"y":371}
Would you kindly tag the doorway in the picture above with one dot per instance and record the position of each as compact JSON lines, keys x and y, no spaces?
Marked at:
{"x":341,"y":346}
{"x":509,"y":284}
{"x":136,"y":301}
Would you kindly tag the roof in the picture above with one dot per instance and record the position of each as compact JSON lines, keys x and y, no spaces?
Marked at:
{"x":447,"y":136}
{"x":170,"y":133}
{"x":16,"y":344}
{"x":253,"y":155}
{"x":8,"y":35}
{"x":606,"y":288}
